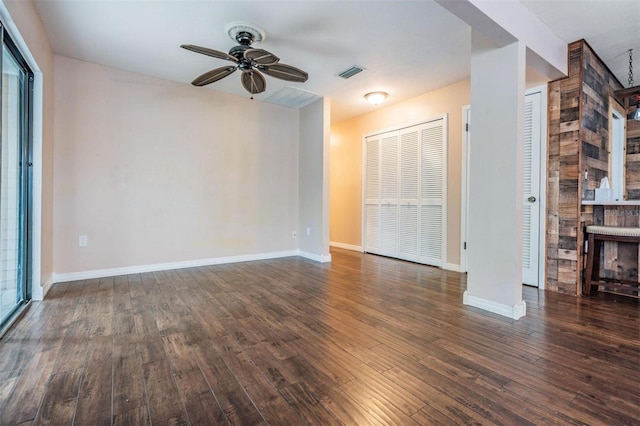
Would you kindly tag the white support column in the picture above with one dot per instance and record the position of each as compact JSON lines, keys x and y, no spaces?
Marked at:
{"x":313,"y":185}
{"x":495,"y":207}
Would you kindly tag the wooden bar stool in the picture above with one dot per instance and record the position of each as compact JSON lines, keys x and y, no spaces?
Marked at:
{"x":596,"y":236}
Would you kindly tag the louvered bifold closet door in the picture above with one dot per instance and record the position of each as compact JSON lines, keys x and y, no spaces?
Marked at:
{"x":531,"y":188}
{"x":372,"y":195}
{"x":409,"y":201}
{"x":432,"y":192}
{"x":389,"y":194}
{"x":526,"y":185}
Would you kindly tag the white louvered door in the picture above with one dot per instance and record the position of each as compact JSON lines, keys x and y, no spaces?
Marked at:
{"x":408,"y":232}
{"x":389,"y":194}
{"x":531,"y":189}
{"x":405,"y":187}
{"x":372,"y":195}
{"x":432,"y":193}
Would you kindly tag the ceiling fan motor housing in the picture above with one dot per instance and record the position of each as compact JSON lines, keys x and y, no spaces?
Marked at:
{"x":245,"y":38}
{"x":238,"y":52}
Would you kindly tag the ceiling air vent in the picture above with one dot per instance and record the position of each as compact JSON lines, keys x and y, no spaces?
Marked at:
{"x":292,"y":98}
{"x":351,"y":72}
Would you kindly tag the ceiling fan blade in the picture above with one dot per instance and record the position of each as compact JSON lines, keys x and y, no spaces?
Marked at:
{"x":213,"y":75}
{"x":253,"y":81}
{"x":261,"y":57}
{"x":285,"y":72}
{"x":209,"y":52}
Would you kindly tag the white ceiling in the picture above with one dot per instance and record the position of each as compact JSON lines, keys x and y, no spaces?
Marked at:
{"x":611,"y":27}
{"x":407,"y":47}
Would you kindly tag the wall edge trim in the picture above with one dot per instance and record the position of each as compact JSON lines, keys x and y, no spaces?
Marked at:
{"x":322,"y":258}
{"x":514,"y":312}
{"x":345,"y":246}
{"x":46,"y":287}
{"x":137,"y":269}
{"x":453,"y":267}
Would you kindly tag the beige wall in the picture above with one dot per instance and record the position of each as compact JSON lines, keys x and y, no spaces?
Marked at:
{"x":154,"y":171}
{"x":346,"y":161}
{"x":27,"y":20}
{"x":313,"y":170}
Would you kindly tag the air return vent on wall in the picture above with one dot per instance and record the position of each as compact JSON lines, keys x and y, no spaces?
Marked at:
{"x":351,"y":72}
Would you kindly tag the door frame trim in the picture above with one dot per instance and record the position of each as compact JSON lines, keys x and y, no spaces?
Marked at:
{"x":542,"y":229}
{"x":464,"y":188}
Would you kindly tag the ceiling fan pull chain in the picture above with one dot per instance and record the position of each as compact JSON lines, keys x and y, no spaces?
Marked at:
{"x":630,"y":67}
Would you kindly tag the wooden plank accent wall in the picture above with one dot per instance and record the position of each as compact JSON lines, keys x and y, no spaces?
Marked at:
{"x":577,"y":143}
{"x":563,"y":183}
{"x":598,"y":85}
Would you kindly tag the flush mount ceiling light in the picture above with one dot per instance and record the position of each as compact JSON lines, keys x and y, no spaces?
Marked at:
{"x":376,"y":98}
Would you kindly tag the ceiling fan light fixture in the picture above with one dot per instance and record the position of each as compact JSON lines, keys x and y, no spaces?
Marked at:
{"x":376,"y":98}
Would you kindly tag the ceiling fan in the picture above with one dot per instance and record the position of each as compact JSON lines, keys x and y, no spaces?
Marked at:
{"x":252,"y":62}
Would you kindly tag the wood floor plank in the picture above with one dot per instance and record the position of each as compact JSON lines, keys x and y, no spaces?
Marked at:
{"x":461,"y":412}
{"x":238,"y":408}
{"x":23,"y":402}
{"x":200,"y":402}
{"x":94,"y":400}
{"x":166,"y":405}
{"x":362,"y":340}
{"x":377,"y":403}
{"x":429,"y":415}
{"x":59,"y":402}
{"x":129,"y":396}
{"x":303,"y":400}
{"x":343,"y":407}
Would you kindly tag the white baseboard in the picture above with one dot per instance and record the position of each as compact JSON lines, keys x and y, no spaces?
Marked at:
{"x":452,"y":267}
{"x":85,"y":275}
{"x":46,"y":287}
{"x":345,"y":246}
{"x":514,"y":312}
{"x":317,"y":257}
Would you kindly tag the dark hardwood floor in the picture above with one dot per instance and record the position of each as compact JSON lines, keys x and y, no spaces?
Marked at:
{"x":363,"y":340}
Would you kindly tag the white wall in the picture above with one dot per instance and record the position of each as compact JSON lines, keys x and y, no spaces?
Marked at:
{"x":314,"y":180}
{"x":494,"y":280}
{"x":154,"y":171}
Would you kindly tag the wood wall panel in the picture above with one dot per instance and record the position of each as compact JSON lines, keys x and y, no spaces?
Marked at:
{"x":553,"y":184}
{"x":577,"y":143}
{"x":563,"y":179}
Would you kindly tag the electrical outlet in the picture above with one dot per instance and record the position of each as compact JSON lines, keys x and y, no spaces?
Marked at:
{"x":294,"y":234}
{"x":83,"y":241}
{"x":308,"y":231}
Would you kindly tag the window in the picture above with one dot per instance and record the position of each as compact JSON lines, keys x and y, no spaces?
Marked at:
{"x":617,"y":150}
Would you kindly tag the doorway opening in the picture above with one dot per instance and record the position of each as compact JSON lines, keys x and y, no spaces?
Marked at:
{"x":16,"y":93}
{"x":534,"y":186}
